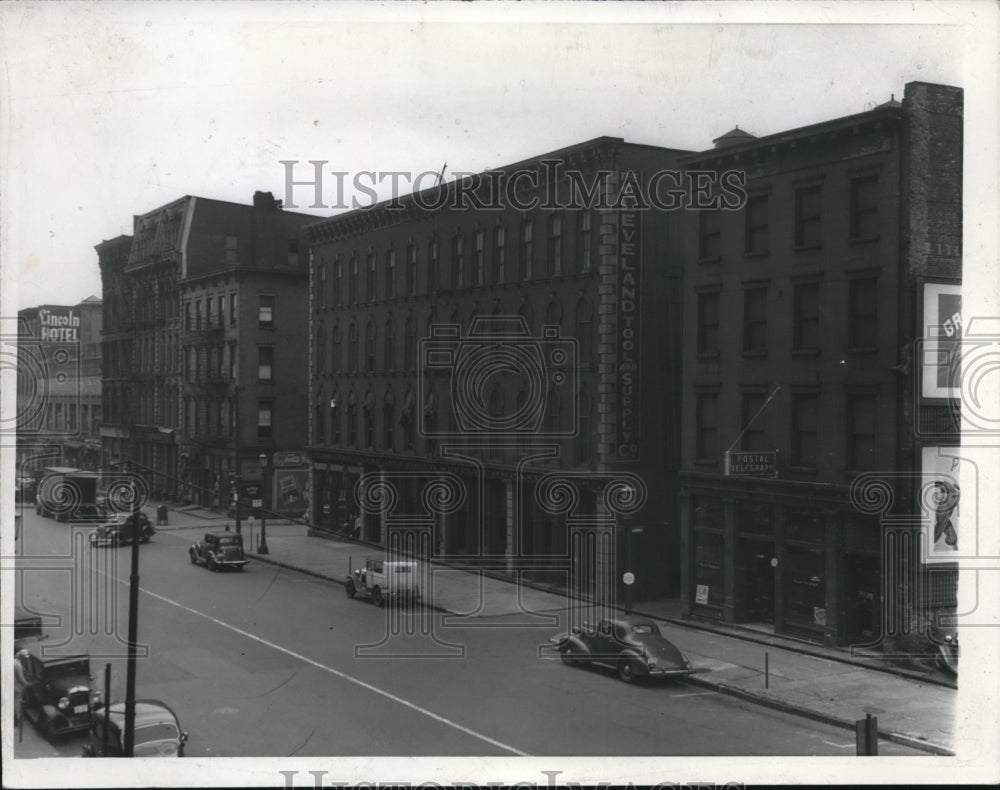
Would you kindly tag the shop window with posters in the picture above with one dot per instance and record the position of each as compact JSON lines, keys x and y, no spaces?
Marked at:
{"x":708,"y":576}
{"x":804,"y":589}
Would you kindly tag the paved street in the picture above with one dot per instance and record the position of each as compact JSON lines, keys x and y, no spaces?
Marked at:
{"x":266,"y":662}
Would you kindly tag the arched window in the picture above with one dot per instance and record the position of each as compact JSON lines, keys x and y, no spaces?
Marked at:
{"x":335,"y":417}
{"x":335,"y":342}
{"x":553,"y":312}
{"x":370,"y":346}
{"x":390,"y":342}
{"x":320,"y":349}
{"x":527,"y":314}
{"x":410,"y":344}
{"x":388,"y":421}
{"x":352,"y":347}
{"x":319,"y":428}
{"x":368,"y":406}
{"x":585,"y":331}
{"x":584,"y":438}
{"x":352,"y":420}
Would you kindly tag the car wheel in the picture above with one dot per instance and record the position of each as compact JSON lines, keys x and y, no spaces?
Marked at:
{"x":194,"y":559}
{"x":626,"y":670}
{"x":212,"y":566}
{"x":566,"y":654}
{"x":377,"y":598}
{"x":350,"y":588}
{"x":48,"y":730}
{"x":146,"y":536}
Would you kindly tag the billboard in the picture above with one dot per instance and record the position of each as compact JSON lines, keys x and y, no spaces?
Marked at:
{"x":940,"y":502}
{"x":941,"y":370}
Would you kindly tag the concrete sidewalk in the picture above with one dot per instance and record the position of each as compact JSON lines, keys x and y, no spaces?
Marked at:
{"x":821,"y":683}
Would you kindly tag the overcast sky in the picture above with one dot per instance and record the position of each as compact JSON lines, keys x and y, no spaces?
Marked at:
{"x":112,"y":110}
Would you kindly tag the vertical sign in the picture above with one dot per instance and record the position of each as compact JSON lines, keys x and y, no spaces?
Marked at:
{"x":940,"y":502}
{"x":941,"y":374}
{"x":629,"y":317}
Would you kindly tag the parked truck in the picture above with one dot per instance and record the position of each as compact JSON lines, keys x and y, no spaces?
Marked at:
{"x":67,"y":494}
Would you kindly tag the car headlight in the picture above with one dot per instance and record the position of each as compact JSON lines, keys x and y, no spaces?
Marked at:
{"x":96,"y":698}
{"x":651,"y":661}
{"x":63,"y":703}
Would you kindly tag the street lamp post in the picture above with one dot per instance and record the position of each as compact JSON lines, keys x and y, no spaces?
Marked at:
{"x":625,"y":527}
{"x":265,"y":501}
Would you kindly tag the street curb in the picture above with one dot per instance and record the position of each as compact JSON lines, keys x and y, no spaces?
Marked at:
{"x":825,"y":718}
{"x":761,"y":640}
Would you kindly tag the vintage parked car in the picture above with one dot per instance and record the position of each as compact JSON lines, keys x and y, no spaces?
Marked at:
{"x":90,"y":514}
{"x":630,"y":644}
{"x":157,"y":731}
{"x":57,"y":698}
{"x":122,"y":529}
{"x":219,"y":550}
{"x":384,"y":579}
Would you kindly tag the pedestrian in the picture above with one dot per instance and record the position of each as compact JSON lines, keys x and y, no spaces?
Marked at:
{"x":20,"y":683}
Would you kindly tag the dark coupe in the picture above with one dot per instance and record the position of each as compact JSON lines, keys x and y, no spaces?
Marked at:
{"x":157,"y":732}
{"x":122,"y":529}
{"x":631,"y":645}
{"x":219,"y":550}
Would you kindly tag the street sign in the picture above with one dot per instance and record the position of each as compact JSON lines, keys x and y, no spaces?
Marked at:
{"x":741,"y":464}
{"x":256,"y":503}
{"x":628,"y":577}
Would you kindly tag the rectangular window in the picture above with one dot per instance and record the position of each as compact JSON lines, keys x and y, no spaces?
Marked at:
{"x":232,"y":250}
{"x":805,"y":334}
{"x":265,"y":310}
{"x":808,"y":227}
{"x":709,"y":235}
{"x":586,"y":240}
{"x":352,"y":281}
{"x":208,"y":313}
{"x":708,"y":322}
{"x":265,"y":363}
{"x":861,"y":432}
{"x":232,"y":362}
{"x":753,"y":432}
{"x":499,"y":255}
{"x":864,"y":208}
{"x":527,"y":249}
{"x":457,"y":262}
{"x":755,"y":320}
{"x":478,"y":253}
{"x":432,"y":267}
{"x":390,"y":274}
{"x":338,"y":282}
{"x":370,"y":277}
{"x":863,"y":313}
{"x":199,"y":317}
{"x":707,"y":426}
{"x":222,"y":310}
{"x":293,"y":252}
{"x":265,"y":410}
{"x":804,"y":421}
{"x":556,"y":245}
{"x":411,"y":270}
{"x":188,"y":323}
{"x":758,"y":218}
{"x":321,"y":286}
{"x":233,"y":300}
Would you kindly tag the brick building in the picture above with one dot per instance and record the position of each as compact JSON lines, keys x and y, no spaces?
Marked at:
{"x":803,"y":316}
{"x":198,"y":301}
{"x":59,"y":385}
{"x":483,"y":334}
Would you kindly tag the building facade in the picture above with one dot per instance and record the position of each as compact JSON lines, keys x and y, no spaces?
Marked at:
{"x":199,"y":299}
{"x":59,"y":385}
{"x":481,"y":340}
{"x":801,"y":448}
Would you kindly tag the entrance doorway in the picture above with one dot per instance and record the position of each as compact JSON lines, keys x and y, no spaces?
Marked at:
{"x":758,"y":580}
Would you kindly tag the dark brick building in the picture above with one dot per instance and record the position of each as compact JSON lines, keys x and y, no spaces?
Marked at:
{"x":198,"y":303}
{"x":493,"y":344}
{"x":802,"y":319}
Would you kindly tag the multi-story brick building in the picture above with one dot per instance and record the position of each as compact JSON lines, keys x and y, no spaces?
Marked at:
{"x":484,"y":334}
{"x":59,"y":385}
{"x":803,"y":314}
{"x":205,"y":343}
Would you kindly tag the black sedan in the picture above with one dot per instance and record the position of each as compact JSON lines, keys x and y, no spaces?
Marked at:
{"x":631,"y":645}
{"x":157,"y":731}
{"x":121,"y":530}
{"x":219,"y":550}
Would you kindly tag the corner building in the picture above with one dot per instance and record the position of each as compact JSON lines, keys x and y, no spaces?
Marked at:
{"x":514,"y":354}
{"x":802,"y":316}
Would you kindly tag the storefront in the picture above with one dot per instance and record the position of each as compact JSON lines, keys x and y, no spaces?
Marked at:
{"x":785,"y":556}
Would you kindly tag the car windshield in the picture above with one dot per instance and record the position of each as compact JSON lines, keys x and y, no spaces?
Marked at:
{"x":233,"y":541}
{"x":68,"y":670}
{"x":402,"y":569}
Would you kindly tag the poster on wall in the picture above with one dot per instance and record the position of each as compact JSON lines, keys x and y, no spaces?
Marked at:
{"x":941,"y":371}
{"x":940,"y":502}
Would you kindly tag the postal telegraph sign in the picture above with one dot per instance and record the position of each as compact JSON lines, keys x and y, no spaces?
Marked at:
{"x":743,"y":464}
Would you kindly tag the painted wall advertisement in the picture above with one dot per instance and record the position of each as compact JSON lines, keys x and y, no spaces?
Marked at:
{"x":940,"y":502}
{"x":941,"y":370}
